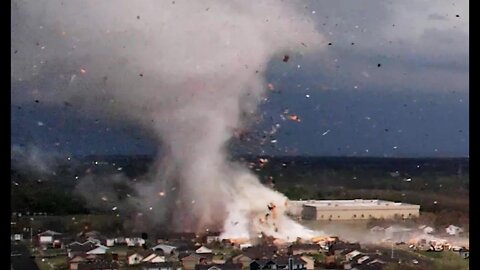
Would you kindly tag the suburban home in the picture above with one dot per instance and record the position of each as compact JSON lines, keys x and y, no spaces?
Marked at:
{"x":175,"y":236}
{"x":154,"y":257}
{"x":309,"y":262}
{"x":120,"y":240}
{"x":184,"y":246}
{"x":48,"y":237}
{"x":260,"y":252}
{"x":134,"y":241}
{"x":211,"y":237}
{"x":167,"y":249}
{"x":137,"y":257}
{"x":283,"y":262}
{"x":297,"y":249}
{"x":261,"y":264}
{"x":73,"y":262}
{"x":99,"y":250}
{"x":338,"y":247}
{"x":370,"y":265}
{"x":226,"y":266}
{"x":98,"y":265}
{"x":160,"y":266}
{"x":16,"y":236}
{"x":349,"y":256}
{"x":109,"y":242}
{"x":242,"y":259}
{"x":76,"y":248}
{"x":189,"y":261}
{"x":245,"y":246}
{"x":203,"y":250}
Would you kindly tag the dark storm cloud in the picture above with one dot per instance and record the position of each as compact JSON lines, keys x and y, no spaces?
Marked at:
{"x":422,"y":49}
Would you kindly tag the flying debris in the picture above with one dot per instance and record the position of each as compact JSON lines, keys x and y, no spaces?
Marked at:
{"x":285,"y":58}
{"x":294,"y":117}
{"x":326,"y":132}
{"x":270,"y":87}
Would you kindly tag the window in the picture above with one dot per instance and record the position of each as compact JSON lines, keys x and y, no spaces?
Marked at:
{"x":362,"y":216}
{"x":354,"y":216}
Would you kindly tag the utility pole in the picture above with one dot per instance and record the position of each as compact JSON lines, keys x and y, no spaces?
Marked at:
{"x":392,"y":250}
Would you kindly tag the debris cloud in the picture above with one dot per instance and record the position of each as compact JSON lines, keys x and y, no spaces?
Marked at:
{"x":188,"y":72}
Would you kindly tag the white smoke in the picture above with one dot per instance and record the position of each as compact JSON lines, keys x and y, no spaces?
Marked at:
{"x":190,"y":71}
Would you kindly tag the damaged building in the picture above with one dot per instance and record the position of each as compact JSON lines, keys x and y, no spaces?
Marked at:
{"x":353,"y":209}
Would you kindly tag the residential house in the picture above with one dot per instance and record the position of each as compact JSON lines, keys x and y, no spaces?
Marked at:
{"x":76,"y":248}
{"x":338,"y":247}
{"x":225,"y":266}
{"x":211,"y":237}
{"x":167,"y":249}
{"x":160,"y":266}
{"x":134,"y":258}
{"x":98,"y":265}
{"x":203,"y":250}
{"x":73,"y":262}
{"x":260,"y":252}
{"x":189,"y":261}
{"x":48,"y":238}
{"x":184,"y":245}
{"x":134,"y":241}
{"x":278,"y":263}
{"x":298,"y":249}
{"x":370,"y":265}
{"x":350,"y":255}
{"x":261,"y":264}
{"x":242,"y":259}
{"x":154,"y":257}
{"x":309,"y":262}
{"x":98,"y":250}
{"x":16,"y":235}
{"x":120,"y":240}
{"x":175,"y":236}
{"x":109,"y":242}
{"x":245,"y":246}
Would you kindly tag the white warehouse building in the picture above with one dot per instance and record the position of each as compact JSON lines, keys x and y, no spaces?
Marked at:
{"x":352,"y":209}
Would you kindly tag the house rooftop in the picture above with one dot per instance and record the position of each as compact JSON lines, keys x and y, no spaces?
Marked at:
{"x":226,"y":266}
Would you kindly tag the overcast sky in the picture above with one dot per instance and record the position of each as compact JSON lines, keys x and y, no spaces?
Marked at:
{"x":393,"y":82}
